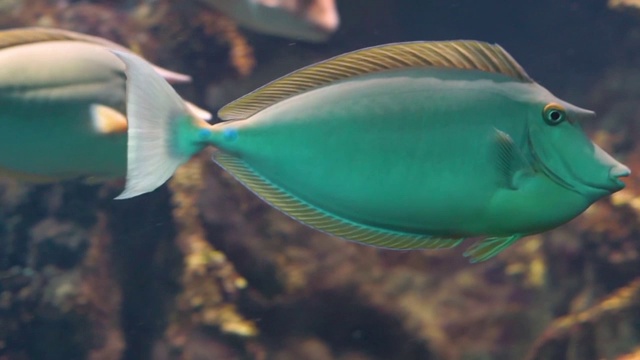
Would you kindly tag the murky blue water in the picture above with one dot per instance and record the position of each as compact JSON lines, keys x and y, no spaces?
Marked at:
{"x":202,"y":269}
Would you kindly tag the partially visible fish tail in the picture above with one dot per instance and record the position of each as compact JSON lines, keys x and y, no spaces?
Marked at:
{"x":163,"y":132}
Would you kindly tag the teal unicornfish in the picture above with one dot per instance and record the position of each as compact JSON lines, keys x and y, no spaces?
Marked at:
{"x":307,"y":20}
{"x":62,"y":106}
{"x":403,"y":146}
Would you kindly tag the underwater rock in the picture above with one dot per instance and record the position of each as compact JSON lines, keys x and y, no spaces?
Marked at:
{"x":57,"y":269}
{"x":206,"y":270}
{"x":210,"y":285}
{"x":428,"y":304}
{"x":56,"y":275}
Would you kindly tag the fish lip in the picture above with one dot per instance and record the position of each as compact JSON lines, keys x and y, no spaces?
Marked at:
{"x":618,"y":172}
{"x":615,"y":182}
{"x":613,"y":185}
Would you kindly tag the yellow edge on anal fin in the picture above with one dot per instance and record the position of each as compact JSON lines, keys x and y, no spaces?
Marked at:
{"x":323,"y":221}
{"x":489,"y":247}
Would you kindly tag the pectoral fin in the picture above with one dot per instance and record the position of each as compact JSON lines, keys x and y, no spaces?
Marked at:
{"x":489,"y":247}
{"x":509,"y":160}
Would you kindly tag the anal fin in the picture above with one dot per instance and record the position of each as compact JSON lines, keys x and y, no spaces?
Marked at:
{"x":489,"y":247}
{"x":323,"y":220}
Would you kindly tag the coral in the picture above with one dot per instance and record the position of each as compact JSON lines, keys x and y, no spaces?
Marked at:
{"x":626,"y":299}
{"x":241,"y":53}
{"x":56,"y":275}
{"x":635,"y":355}
{"x":400,"y":305}
{"x":195,"y":32}
{"x":210,"y":284}
{"x":204,"y":269}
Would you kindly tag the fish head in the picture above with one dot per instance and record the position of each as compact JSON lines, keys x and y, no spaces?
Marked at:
{"x":562,"y":150}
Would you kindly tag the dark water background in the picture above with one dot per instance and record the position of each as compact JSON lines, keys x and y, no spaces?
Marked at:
{"x":201,"y":269}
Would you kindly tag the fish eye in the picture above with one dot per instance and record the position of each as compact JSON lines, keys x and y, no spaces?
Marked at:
{"x":554,"y":114}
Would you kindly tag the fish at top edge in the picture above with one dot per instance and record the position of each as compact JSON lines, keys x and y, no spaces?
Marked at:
{"x":62,"y":106}
{"x":403,"y":146}
{"x":312,"y":21}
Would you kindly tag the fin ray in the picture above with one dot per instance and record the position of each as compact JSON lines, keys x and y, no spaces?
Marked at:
{"x":155,"y":112}
{"x":489,"y":247}
{"x":324,"y":221}
{"x":509,"y":160}
{"x":461,"y":54}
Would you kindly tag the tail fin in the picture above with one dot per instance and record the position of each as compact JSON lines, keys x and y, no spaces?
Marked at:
{"x":158,"y":121}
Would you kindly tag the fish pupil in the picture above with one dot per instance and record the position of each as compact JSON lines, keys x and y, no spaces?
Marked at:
{"x":553,"y":114}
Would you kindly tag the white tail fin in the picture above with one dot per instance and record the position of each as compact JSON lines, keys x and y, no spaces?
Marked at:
{"x":199,"y":112}
{"x":153,"y":110}
{"x":172,"y":76}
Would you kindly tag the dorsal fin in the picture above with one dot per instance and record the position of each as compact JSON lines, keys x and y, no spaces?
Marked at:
{"x":462,"y":54}
{"x":30,"y":35}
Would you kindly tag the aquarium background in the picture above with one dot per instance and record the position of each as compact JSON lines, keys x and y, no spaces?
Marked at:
{"x":202,"y":269}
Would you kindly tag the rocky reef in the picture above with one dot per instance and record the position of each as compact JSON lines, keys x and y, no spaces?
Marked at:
{"x":202,"y":269}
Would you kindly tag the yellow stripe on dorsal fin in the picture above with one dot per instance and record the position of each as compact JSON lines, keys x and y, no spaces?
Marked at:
{"x":462,"y":54}
{"x":322,"y":220}
{"x":31,"y":35}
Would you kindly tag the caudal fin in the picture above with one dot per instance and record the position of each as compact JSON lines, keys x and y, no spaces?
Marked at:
{"x":159,"y":122}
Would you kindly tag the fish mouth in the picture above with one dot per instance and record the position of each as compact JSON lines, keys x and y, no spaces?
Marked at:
{"x":618,"y":172}
{"x":615,"y":182}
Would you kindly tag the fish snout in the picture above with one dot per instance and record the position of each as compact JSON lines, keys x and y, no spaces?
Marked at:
{"x":619,"y":171}
{"x":613,"y":171}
